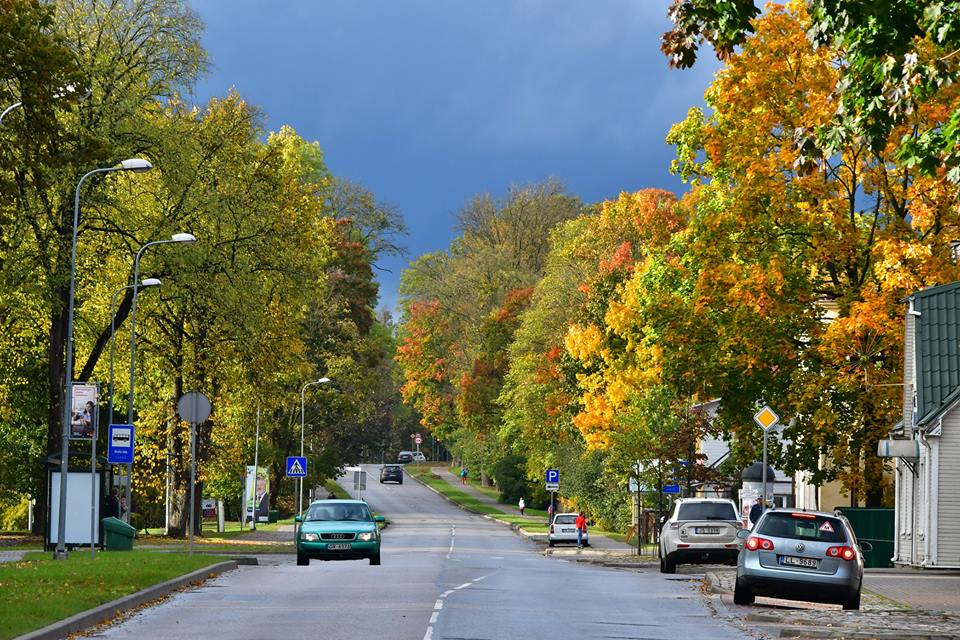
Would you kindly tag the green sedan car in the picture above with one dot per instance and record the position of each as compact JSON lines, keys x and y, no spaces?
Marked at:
{"x":338,"y":530}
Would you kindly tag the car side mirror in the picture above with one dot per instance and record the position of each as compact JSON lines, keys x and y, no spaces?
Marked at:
{"x":663,"y":519}
{"x":866,"y":546}
{"x":298,"y":518}
{"x":743,"y":534}
{"x":379,"y":519}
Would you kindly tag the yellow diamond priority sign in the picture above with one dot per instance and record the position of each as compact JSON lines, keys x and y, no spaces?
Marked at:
{"x":766,"y":418}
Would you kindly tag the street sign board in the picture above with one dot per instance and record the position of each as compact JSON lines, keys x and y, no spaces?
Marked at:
{"x":552,"y":476}
{"x":194,"y":407}
{"x":360,"y":480}
{"x":553,"y":486}
{"x":120,"y":444}
{"x":296,"y":467}
{"x":671,"y":488}
{"x":632,"y":485}
{"x":766,"y":418}
{"x":418,"y":439}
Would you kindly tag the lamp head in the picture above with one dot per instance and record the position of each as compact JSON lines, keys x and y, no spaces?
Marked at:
{"x":150,"y":282}
{"x":138,"y":165}
{"x":323,"y":380}
{"x":185,"y":238}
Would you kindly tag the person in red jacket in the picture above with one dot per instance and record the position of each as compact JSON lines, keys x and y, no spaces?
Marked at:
{"x":581,"y":524}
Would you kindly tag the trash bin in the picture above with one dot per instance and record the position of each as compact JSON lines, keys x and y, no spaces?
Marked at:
{"x":273,"y":515}
{"x":118,"y":535}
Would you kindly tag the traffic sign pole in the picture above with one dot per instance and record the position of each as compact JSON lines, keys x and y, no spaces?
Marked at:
{"x":767,"y":420}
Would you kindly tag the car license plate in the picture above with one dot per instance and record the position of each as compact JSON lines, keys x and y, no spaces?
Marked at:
{"x":707,"y":531}
{"x":810,"y":563}
{"x":339,"y":546}
{"x":567,"y":530}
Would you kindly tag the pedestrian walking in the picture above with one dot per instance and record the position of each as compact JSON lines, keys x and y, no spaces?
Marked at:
{"x":581,"y":524}
{"x":522,"y":505}
{"x":756,"y":511}
{"x":463,"y":475}
{"x":111,"y":507}
{"x":550,"y":514}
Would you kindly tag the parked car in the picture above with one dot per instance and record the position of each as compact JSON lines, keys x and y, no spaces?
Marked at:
{"x":418,"y":456}
{"x":391,"y":473}
{"x":338,"y":530}
{"x":404,"y":457}
{"x":699,"y":530}
{"x":801,"y":555}
{"x":564,"y":529}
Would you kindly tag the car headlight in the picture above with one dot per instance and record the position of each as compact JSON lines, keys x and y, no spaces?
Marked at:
{"x":366,"y":536}
{"x":309,"y":537}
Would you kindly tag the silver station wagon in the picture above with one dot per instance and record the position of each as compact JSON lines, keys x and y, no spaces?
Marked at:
{"x":801,"y":555}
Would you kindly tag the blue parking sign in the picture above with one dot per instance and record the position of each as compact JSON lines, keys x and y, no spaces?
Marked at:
{"x":553,"y":476}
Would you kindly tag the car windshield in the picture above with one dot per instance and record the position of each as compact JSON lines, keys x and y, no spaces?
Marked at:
{"x":565,"y":519}
{"x":707,"y":511}
{"x":802,"y":526}
{"x":341,"y":511}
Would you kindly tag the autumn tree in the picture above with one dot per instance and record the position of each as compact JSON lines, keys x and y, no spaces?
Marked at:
{"x":896,"y":57}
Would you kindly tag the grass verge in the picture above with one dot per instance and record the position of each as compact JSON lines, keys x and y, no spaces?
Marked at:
{"x":39,"y":590}
{"x":338,"y":492}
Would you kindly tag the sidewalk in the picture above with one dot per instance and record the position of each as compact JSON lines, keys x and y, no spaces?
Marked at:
{"x":600,"y":546}
{"x":896,"y":604}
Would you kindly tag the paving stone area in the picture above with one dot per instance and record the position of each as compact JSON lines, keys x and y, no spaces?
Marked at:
{"x":879,"y":617}
{"x":12,"y":556}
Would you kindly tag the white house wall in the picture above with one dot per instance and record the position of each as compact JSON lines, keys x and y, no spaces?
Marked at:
{"x":947,"y":507}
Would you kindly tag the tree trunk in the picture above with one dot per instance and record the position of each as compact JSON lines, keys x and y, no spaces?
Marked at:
{"x":56,"y":383}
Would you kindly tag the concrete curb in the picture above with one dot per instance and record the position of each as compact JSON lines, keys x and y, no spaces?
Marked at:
{"x":92,"y":617}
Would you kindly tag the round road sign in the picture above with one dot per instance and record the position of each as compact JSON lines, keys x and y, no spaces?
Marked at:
{"x":194,"y":407}
{"x":418,"y":439}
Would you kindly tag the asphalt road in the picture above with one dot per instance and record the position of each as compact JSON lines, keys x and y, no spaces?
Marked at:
{"x":445,"y":575}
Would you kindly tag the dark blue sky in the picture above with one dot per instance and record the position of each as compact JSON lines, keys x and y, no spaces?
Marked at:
{"x":430,"y":102}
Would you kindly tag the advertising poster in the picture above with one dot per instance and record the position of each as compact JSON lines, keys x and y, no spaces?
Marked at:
{"x":208,"y":508}
{"x":257,"y":492}
{"x":83,"y":411}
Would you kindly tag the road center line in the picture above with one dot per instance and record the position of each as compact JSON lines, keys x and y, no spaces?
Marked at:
{"x":438,"y":605}
{"x":453,"y":537}
{"x":463,"y":586}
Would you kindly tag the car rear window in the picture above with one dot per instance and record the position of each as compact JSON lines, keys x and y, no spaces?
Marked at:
{"x":565,"y":520}
{"x":802,"y":526}
{"x":707,"y":511}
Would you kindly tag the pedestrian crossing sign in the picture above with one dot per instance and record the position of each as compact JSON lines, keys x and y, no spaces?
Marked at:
{"x":296,"y":467}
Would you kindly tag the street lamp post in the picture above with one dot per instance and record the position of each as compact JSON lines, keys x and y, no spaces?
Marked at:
{"x":177,"y":238}
{"x":137,"y":165}
{"x":146,"y":282}
{"x":302,"y":426}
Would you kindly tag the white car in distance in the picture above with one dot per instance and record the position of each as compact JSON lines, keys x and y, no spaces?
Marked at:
{"x":564,"y":529}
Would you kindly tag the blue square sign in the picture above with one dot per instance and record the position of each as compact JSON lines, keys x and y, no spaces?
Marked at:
{"x":553,"y":476}
{"x":120,"y":444}
{"x":296,"y":467}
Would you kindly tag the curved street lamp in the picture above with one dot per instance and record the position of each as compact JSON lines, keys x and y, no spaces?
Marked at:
{"x":146,"y":282}
{"x":135,"y":164}
{"x":177,"y":238}
{"x":9,"y":109}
